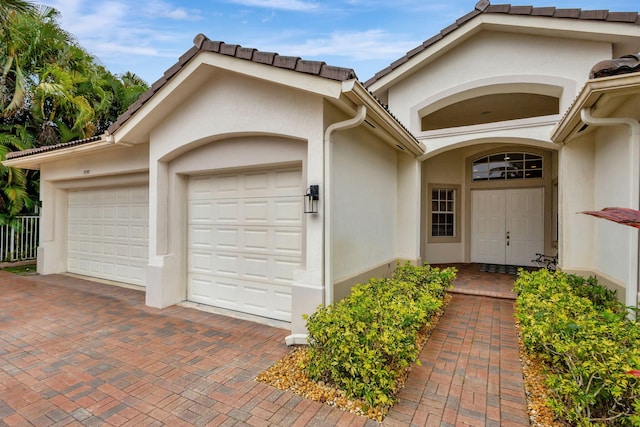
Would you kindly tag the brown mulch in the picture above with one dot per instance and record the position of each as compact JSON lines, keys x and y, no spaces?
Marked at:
{"x":289,"y":374}
{"x":540,"y":414}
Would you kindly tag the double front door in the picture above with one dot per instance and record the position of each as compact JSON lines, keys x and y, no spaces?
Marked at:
{"x":507,"y":226}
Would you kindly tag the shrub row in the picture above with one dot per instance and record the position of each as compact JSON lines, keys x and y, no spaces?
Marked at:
{"x":588,"y":345}
{"x":364,"y":343}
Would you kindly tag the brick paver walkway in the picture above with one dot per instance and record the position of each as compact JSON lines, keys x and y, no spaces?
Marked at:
{"x":470,"y":373}
{"x":74,"y":352}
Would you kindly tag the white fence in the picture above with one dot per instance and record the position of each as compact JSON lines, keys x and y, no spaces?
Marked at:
{"x":20,"y":243}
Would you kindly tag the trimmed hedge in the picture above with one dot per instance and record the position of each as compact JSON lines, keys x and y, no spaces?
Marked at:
{"x":588,"y":345}
{"x":366,"y":342}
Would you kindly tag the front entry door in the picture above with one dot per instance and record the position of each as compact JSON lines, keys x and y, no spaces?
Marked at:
{"x":507,"y":226}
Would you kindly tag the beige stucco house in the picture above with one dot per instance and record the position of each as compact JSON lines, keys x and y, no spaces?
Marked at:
{"x":470,"y":148}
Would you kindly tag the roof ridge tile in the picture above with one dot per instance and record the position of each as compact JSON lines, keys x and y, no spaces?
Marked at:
{"x":543,"y":11}
{"x":309,"y":67}
{"x":629,"y":17}
{"x":573,"y":13}
{"x":288,"y":62}
{"x":228,"y":49}
{"x":520,"y":10}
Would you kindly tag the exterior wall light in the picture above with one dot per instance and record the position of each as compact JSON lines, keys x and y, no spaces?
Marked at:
{"x":311,"y":199}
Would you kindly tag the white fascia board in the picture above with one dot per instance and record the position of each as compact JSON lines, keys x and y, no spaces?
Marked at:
{"x":592,"y":92}
{"x":581,"y":29}
{"x":203,"y":67}
{"x":272,"y":74}
{"x":428,"y":55}
{"x":612,"y":32}
{"x":35,"y":160}
{"x":384,"y":124}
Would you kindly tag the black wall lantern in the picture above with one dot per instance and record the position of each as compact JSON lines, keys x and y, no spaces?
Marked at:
{"x":311,"y":199}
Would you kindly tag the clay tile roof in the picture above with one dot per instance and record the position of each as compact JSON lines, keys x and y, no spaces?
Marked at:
{"x":44,"y":149}
{"x":485,"y":7}
{"x":613,"y":67}
{"x":202,"y":44}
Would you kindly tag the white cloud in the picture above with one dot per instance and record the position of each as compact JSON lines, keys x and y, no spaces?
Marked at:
{"x":109,"y":29}
{"x":165,"y":10}
{"x":294,"y":5}
{"x":359,"y":45}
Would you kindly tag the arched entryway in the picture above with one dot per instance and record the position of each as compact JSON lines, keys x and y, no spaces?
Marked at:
{"x":489,"y":203}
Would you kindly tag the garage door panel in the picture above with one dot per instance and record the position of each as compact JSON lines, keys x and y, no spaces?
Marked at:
{"x":225,"y":212}
{"x":199,"y":262}
{"x":277,"y":240}
{"x":288,"y":181}
{"x":224,"y":185}
{"x":287,"y":242}
{"x":284,"y":270}
{"x":138,"y":213}
{"x":288,"y":212}
{"x":106,"y":268}
{"x":108,"y":249}
{"x":245,"y":240}
{"x":224,"y":264}
{"x":256,"y":182}
{"x":138,"y":253}
{"x":108,"y":233}
{"x":256,"y":240}
{"x":96,"y":248}
{"x":255,"y":212}
{"x":256,"y":267}
{"x":137,"y":272}
{"x":138,"y":233}
{"x":267,"y":301}
{"x":199,"y":289}
{"x":199,"y":212}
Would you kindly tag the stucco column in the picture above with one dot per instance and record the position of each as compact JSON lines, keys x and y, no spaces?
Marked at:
{"x":308,"y":290}
{"x":409,"y":208}
{"x":52,"y":248}
{"x":165,"y":285}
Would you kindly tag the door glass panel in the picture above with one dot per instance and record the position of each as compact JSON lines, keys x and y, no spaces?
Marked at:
{"x":509,"y":165}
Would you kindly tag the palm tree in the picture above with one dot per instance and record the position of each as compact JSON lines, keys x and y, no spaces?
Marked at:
{"x":14,"y":196}
{"x":8,"y":8}
{"x":51,"y":91}
{"x":29,"y":40}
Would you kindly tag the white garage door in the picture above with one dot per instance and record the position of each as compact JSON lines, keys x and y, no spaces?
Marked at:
{"x":245,"y":240}
{"x":108,"y":233}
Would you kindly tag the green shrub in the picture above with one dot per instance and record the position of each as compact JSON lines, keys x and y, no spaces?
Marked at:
{"x":364,"y":343}
{"x":587,"y":343}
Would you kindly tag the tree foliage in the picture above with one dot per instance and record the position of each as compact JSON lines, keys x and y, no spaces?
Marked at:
{"x":51,"y":91}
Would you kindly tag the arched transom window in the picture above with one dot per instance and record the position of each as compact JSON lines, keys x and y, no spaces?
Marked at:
{"x":501,"y":166}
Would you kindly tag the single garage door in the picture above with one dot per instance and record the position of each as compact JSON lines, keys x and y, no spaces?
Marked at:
{"x":245,"y":240}
{"x":108,"y":233}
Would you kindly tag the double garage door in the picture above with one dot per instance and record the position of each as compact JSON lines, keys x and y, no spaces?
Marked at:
{"x":245,"y":240}
{"x":108,"y":233}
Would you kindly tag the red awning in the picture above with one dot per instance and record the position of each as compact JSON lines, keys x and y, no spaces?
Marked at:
{"x":626,"y":216}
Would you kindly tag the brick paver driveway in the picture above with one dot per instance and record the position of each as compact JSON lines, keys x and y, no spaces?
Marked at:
{"x":74,"y":352}
{"x":84,"y":353}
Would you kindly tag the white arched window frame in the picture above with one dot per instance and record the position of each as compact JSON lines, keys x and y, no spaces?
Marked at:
{"x":507,"y":166}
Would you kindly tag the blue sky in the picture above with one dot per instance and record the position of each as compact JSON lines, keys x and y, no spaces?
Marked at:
{"x":147,"y":36}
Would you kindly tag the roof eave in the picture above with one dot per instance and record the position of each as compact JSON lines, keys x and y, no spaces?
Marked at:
{"x":34,"y":161}
{"x":381,"y":120}
{"x":595,"y":92}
